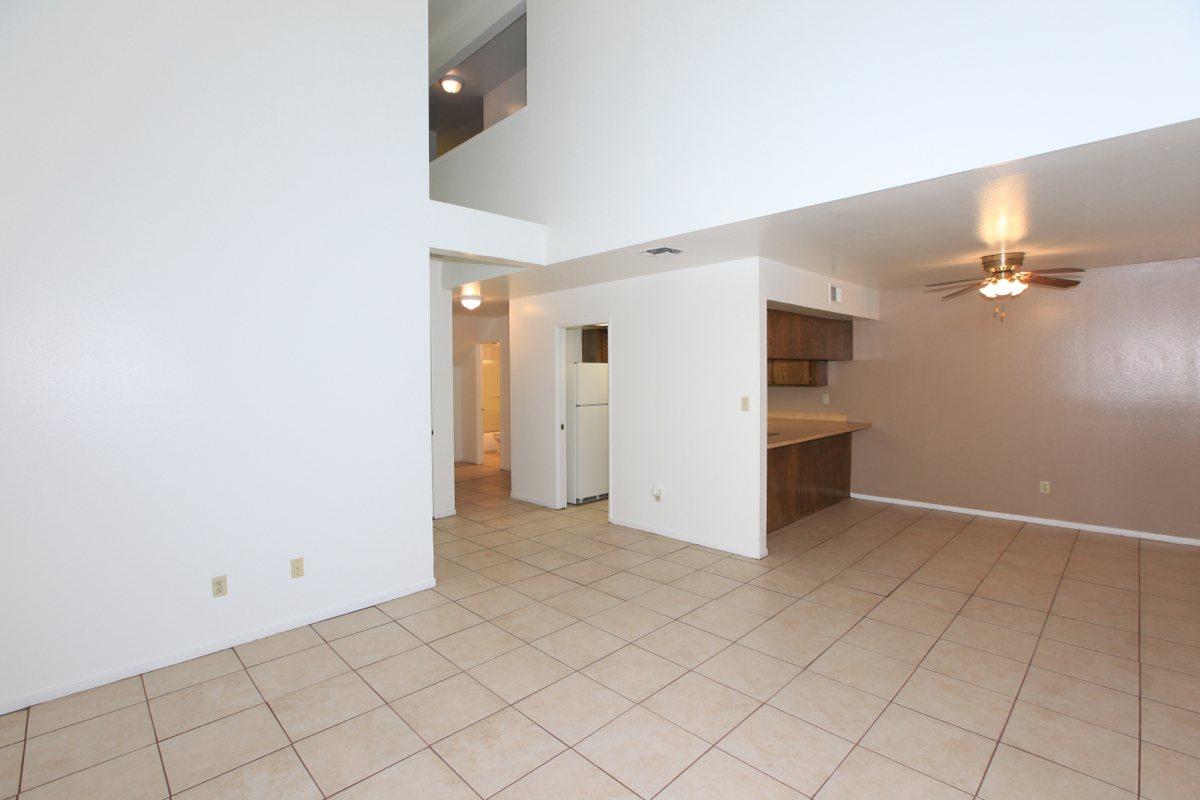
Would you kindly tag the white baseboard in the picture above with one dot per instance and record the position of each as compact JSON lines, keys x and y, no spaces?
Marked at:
{"x":99,"y":679}
{"x":637,"y":526}
{"x":532,"y":501}
{"x":1053,"y":523}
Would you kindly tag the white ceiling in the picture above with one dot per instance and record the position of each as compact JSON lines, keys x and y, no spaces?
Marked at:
{"x":1126,"y":200}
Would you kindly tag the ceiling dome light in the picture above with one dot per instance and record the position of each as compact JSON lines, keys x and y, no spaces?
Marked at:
{"x":452,"y":84}
{"x":471,"y":296}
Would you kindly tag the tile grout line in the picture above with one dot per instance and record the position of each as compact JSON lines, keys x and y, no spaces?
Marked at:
{"x":290,"y":744}
{"x":1028,"y":666}
{"x":162,"y":765}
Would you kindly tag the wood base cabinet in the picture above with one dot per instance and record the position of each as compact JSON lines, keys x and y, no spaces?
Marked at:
{"x":804,"y":478}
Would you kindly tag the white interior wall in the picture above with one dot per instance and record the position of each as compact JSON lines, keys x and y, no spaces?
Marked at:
{"x":441,"y":371}
{"x":764,"y":106}
{"x":683,"y":349}
{"x":214,"y":326}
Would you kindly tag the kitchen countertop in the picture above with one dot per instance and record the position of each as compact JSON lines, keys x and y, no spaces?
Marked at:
{"x":782,"y":432}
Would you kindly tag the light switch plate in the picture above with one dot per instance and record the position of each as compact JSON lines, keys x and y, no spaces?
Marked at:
{"x":298,"y":567}
{"x":1045,"y":487}
{"x":745,"y":403}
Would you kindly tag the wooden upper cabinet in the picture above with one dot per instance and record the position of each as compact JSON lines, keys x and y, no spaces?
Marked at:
{"x":595,"y":345}
{"x":805,"y":338}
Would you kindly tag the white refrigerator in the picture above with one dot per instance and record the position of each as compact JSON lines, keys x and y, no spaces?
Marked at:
{"x":587,"y":432}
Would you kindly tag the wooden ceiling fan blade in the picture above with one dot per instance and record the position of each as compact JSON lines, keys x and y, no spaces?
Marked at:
{"x":1042,"y":280}
{"x":1060,"y":271}
{"x":965,"y":289}
{"x":951,"y":283}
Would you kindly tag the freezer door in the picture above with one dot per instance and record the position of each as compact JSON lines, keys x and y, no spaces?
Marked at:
{"x":590,"y":464}
{"x":591,"y":384}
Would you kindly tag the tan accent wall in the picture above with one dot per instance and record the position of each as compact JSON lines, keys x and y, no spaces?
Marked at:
{"x":1096,"y":389}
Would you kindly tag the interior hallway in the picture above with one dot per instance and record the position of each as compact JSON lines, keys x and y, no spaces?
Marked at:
{"x":877,"y":652}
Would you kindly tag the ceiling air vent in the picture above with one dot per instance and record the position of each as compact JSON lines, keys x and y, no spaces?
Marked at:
{"x":661,"y":251}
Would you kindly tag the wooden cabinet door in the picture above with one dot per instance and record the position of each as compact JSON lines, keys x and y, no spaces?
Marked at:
{"x":804,"y":337}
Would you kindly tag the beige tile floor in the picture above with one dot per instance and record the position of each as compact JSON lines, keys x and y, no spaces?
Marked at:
{"x":878,"y":652}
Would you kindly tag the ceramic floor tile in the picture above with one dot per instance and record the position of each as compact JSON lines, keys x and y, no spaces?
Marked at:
{"x":533,"y":621}
{"x":437,"y":711}
{"x":975,"y":666}
{"x":1172,"y":688}
{"x":1089,"y":702}
{"x":346,"y":624}
{"x":190,"y":673}
{"x":930,"y":746}
{"x":566,"y":775}
{"x":628,"y":621}
{"x":374,"y":644}
{"x":279,"y":776}
{"x":966,"y":705}
{"x":495,"y":752}
{"x":495,"y":602}
{"x":579,"y":645}
{"x":719,"y":776}
{"x":664,"y":750}
{"x":133,"y":776}
{"x":723,"y":619}
{"x":411,"y":604}
{"x":670,"y":600}
{"x":1001,"y":641}
{"x":890,"y":640}
{"x":1089,"y":665}
{"x":277,"y":646}
{"x":476,"y":645}
{"x":701,"y":706}
{"x":205,"y":702}
{"x":323,"y":705}
{"x":1175,"y":728}
{"x":788,"y":749}
{"x":749,"y":671}
{"x":193,"y":757}
{"x":84,"y":744}
{"x":46,"y":717}
{"x":277,"y":678}
{"x":1110,"y":756}
{"x":574,"y":707}
{"x":422,"y":775}
{"x":683,"y":644}
{"x":519,"y":673}
{"x":404,"y":674}
{"x":440,"y":621}
{"x":871,"y":672}
{"x":1168,"y":775}
{"x":357,"y":748}
{"x":633,"y":673}
{"x":784,"y":641}
{"x":1017,"y":775}
{"x":865,"y":775}
{"x":831,"y":706}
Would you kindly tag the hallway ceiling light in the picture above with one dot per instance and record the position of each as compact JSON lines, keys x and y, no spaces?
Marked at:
{"x":452,"y":84}
{"x":471,"y":296}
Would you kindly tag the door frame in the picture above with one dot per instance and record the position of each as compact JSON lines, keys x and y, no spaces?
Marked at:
{"x":560,"y":416}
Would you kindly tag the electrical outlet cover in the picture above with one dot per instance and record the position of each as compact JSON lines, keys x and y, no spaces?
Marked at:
{"x":220,"y":586}
{"x":298,"y":567}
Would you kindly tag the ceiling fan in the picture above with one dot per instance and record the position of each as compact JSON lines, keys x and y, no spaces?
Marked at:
{"x":1005,"y":279}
